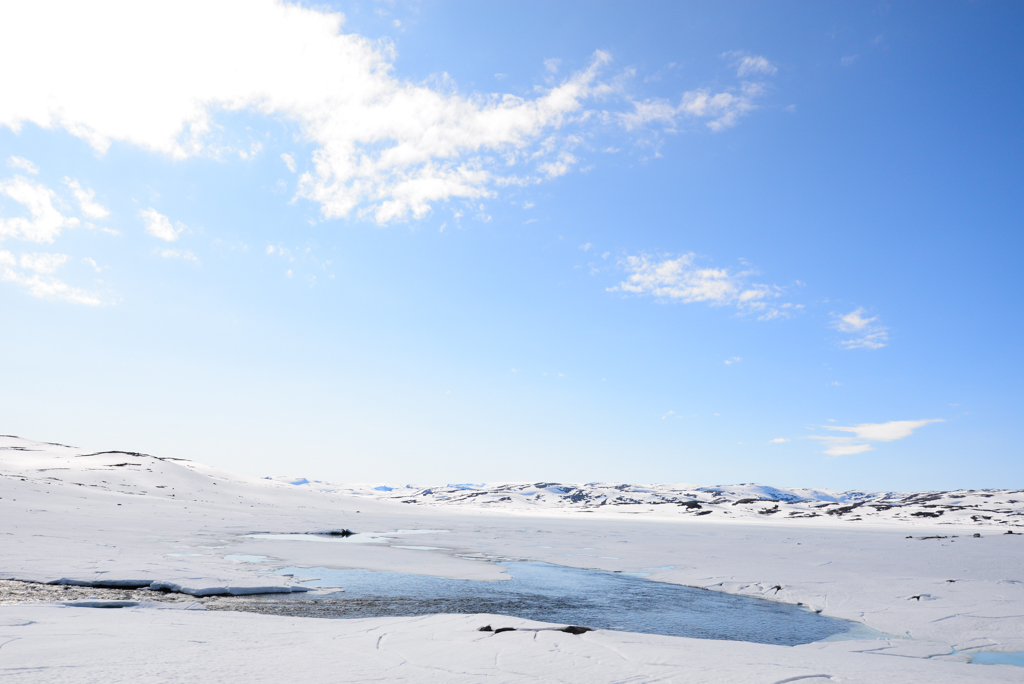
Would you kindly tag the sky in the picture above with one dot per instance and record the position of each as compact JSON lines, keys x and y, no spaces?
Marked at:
{"x":434,"y":242}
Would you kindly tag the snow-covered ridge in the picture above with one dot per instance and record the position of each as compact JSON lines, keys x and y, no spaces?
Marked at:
{"x":985,"y":507}
{"x":140,"y":475}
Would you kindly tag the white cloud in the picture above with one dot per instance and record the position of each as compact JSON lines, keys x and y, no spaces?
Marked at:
{"x":50,"y":288}
{"x":680,"y":280}
{"x":159,"y":226}
{"x":865,"y":433}
{"x":559,"y":167}
{"x":723,"y":109}
{"x":779,"y":440}
{"x":254,"y":149}
{"x":885,"y":432}
{"x":289,"y":161}
{"x":187,"y":255}
{"x":755,"y":64}
{"x":843,"y":449}
{"x":39,"y":284}
{"x":734,"y":359}
{"x":85,"y":200}
{"x":586,"y":246}
{"x":551,"y":65}
{"x":32,"y":271}
{"x":383,"y":148}
{"x":44,"y":222}
{"x":42,"y":262}
{"x":23,"y":164}
{"x":867,"y":333}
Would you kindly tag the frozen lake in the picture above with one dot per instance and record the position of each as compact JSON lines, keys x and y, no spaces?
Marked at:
{"x":552,"y":593}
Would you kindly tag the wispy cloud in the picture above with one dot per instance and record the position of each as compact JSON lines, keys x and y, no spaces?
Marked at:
{"x":778,"y":440}
{"x":680,"y":280}
{"x":866,"y":333}
{"x":43,"y":262}
{"x":865,"y":434}
{"x":732,"y":360}
{"x":186,"y":254}
{"x":44,"y":222}
{"x":750,"y":65}
{"x":85,"y":197}
{"x":558,"y":166}
{"x":159,"y":226}
{"x":721,"y":110}
{"x":38,"y":282}
{"x":22,"y":164}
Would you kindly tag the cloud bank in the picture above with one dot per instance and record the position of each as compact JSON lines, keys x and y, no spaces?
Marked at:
{"x":157,"y":75}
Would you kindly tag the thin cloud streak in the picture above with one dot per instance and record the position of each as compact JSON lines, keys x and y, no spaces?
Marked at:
{"x":867,"y":433}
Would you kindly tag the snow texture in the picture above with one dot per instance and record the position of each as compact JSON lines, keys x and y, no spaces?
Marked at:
{"x":988,"y":507}
{"x":124,"y":519}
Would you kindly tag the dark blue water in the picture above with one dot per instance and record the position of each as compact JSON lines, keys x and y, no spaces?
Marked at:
{"x":551,"y":593}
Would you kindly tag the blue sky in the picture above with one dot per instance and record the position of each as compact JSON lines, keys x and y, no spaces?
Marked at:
{"x":430,"y":242}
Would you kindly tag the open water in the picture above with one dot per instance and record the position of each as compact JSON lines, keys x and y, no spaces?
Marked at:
{"x":567,"y":596}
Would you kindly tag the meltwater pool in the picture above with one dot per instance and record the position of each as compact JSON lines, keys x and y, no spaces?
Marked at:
{"x":552,"y":593}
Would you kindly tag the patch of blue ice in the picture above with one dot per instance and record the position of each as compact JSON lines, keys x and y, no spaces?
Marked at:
{"x":988,"y":658}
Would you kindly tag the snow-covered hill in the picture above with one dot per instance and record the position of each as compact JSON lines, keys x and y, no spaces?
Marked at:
{"x":999,"y":507}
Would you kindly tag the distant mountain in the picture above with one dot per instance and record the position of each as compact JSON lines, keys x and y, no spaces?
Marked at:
{"x":986,"y":507}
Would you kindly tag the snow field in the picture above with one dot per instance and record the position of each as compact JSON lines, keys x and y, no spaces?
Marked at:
{"x":113,"y":518}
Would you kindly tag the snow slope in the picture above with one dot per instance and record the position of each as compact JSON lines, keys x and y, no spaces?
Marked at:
{"x":74,"y":515}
